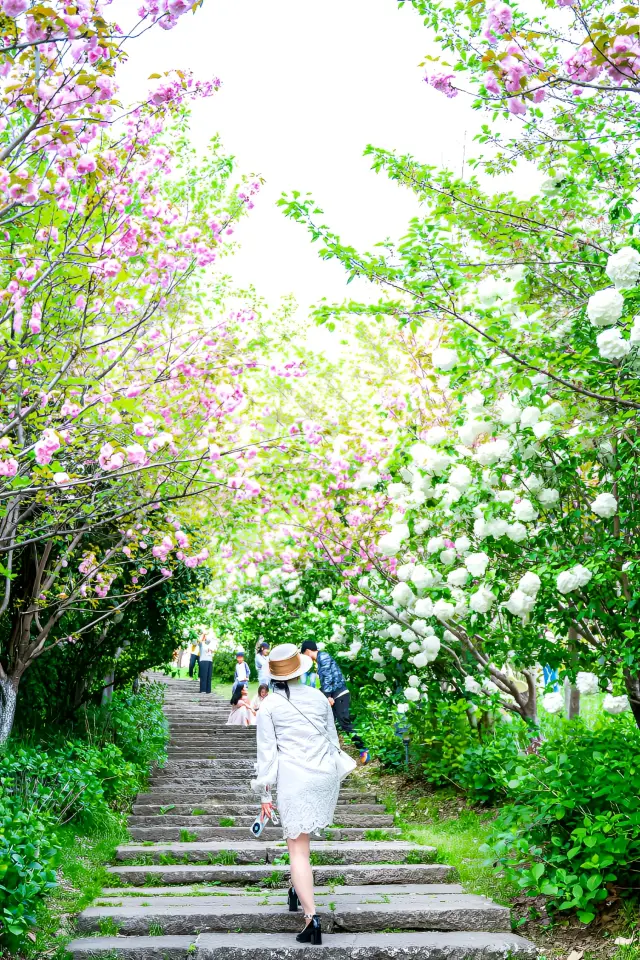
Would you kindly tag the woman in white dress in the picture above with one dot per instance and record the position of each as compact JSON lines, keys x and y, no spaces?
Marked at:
{"x":297,"y":750}
{"x":242,"y":713}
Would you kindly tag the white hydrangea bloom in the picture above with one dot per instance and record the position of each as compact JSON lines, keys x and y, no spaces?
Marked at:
{"x":424,"y":607}
{"x":449,"y":637}
{"x":482,"y":600}
{"x":458,"y":577}
{"x":517,"y":532}
{"x":554,"y":410}
{"x":407,"y":635}
{"x":414,"y":681}
{"x":380,"y":677}
{"x":612,"y":345}
{"x":497,"y":527}
{"x":443,"y":611}
{"x":530,"y":583}
{"x":542,"y":429}
{"x":615,"y":705}
{"x":524,"y":510}
{"x":403,"y":707}
{"x":569,"y":580}
{"x":376,"y":656}
{"x":505,"y":496}
{"x":435,"y":544}
{"x":394,"y":630}
{"x":421,"y":660}
{"x":461,"y":477}
{"x":448,"y":556}
{"x":623,"y":268}
{"x":529,"y":416}
{"x":605,"y":505}
{"x":634,"y":334}
{"x":431,"y":648}
{"x":476,"y":564}
{"x":397,"y":653}
{"x":412,"y":694}
{"x":444,"y":359}
{"x":471,"y":685}
{"x":520,"y":604}
{"x":587,"y":683}
{"x":493,"y":451}
{"x":508,"y":411}
{"x":325,"y":596}
{"x":390,"y":544}
{"x":405,"y":570}
{"x":605,"y":307}
{"x":480,"y":528}
{"x":549,"y":497}
{"x":471,"y":430}
{"x":553,"y":702}
{"x":462,"y":544}
{"x":419,"y":627}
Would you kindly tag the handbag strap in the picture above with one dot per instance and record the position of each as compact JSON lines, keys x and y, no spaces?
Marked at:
{"x":308,"y":719}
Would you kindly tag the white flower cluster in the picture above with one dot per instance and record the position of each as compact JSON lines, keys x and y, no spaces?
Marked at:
{"x":587,"y":684}
{"x":615,"y":705}
{"x":573,"y":579}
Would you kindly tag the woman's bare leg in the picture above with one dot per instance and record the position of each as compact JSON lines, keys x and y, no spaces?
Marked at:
{"x":301,"y":872}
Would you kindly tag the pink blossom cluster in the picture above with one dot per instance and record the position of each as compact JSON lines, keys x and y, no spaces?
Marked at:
{"x":514,"y":68}
{"x":46,"y":446}
{"x":165,"y":12}
{"x":442,"y":82}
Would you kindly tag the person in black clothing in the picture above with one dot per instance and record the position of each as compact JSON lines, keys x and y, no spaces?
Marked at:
{"x":334,"y":687}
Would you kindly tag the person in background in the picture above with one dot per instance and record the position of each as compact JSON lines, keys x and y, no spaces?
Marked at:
{"x":262,"y":663}
{"x":334,"y":687}
{"x":263,"y":691}
{"x":206,"y":664}
{"x":194,"y":656}
{"x":242,"y":713}
{"x":243,"y":672}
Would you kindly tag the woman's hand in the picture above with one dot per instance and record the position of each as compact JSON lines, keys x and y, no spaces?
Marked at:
{"x":267,"y":810}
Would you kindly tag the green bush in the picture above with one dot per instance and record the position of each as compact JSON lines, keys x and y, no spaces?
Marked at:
{"x":45,"y":785}
{"x":485,"y":768}
{"x":573,"y":827}
{"x":223,"y":665}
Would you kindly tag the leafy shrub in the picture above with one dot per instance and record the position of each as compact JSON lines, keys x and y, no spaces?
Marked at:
{"x":485,"y":768}
{"x":223,"y":665}
{"x":573,"y":828}
{"x":138,"y":724}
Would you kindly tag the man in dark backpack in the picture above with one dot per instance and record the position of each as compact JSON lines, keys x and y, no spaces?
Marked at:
{"x":334,"y":687}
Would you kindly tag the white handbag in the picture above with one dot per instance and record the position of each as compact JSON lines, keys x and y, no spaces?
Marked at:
{"x":344,"y":763}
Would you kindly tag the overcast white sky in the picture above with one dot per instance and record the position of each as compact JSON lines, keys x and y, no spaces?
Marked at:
{"x":305,"y":88}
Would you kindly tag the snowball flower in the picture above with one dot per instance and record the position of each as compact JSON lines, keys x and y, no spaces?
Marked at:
{"x":403,"y":707}
{"x":542,"y":429}
{"x":394,"y":631}
{"x":397,"y":653}
{"x":458,"y":577}
{"x":549,"y":497}
{"x":404,"y":572}
{"x":520,"y":604}
{"x":443,"y":611}
{"x":444,"y":359}
{"x":435,"y":544}
{"x":424,"y":607}
{"x":462,"y":544}
{"x":605,"y":307}
{"x":460,"y":477}
{"x":605,"y":505}
{"x":448,"y":556}
{"x":553,"y":702}
{"x":612,"y":345}
{"x":524,"y":510}
{"x":476,"y":564}
{"x":530,"y":584}
{"x":634,"y":335}
{"x":419,"y":627}
{"x":325,"y":595}
{"x":390,"y":543}
{"x":508,"y":411}
{"x":471,"y":685}
{"x":615,"y":705}
{"x":412,"y":694}
{"x":573,"y":579}
{"x":587,"y":683}
{"x":623,"y":268}
{"x":376,"y":656}
{"x":430,"y":649}
{"x":380,"y":677}
{"x":402,"y":594}
{"x":517,"y":532}
{"x":482,"y":600}
{"x":423,"y":579}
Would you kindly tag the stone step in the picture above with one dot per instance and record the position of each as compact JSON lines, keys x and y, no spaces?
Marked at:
{"x":165,"y":833}
{"x":113,"y":896}
{"x":209,"y":765}
{"x":423,"y":911}
{"x":228,"y":809}
{"x":223,"y":792}
{"x":342,"y":819}
{"x":256,"y":851}
{"x":263,"y":873}
{"x":336,"y":946}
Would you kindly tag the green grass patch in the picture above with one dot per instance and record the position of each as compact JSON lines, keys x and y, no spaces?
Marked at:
{"x":227,"y":821}
{"x":186,"y":836}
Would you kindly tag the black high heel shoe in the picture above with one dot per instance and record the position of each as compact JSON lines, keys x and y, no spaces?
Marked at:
{"x":294,"y":903}
{"x":312,"y":933}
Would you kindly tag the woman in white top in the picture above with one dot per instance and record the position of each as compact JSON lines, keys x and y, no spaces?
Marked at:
{"x":297,"y":749}
{"x":262,"y":663}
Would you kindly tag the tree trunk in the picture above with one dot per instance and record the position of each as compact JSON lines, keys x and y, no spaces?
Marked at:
{"x":8,"y":700}
{"x":571,"y":700}
{"x":632,"y":684}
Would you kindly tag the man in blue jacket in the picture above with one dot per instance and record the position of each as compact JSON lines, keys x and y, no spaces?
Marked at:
{"x":334,"y":687}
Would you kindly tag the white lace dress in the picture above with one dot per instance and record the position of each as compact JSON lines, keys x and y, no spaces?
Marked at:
{"x":298,"y":759}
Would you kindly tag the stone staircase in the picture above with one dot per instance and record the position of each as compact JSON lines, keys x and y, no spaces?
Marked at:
{"x":194,"y":884}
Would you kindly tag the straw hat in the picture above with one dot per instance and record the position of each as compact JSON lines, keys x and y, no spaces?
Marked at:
{"x":286,"y":662}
